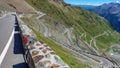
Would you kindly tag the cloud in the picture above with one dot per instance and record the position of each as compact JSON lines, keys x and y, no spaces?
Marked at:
{"x":117,"y":1}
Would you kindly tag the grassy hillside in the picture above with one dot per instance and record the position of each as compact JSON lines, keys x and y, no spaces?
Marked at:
{"x":71,"y":58}
{"x":89,"y":28}
{"x":71,"y":16}
{"x":62,"y":52}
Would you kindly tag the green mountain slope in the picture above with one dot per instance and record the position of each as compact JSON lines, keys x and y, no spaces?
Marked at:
{"x":73,"y":26}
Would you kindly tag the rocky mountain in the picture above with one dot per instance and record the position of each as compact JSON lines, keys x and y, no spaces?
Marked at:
{"x":111,"y":12}
{"x":12,"y":5}
{"x":81,"y":38}
{"x":85,"y":6}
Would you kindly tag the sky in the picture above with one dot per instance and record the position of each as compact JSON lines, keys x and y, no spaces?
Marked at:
{"x":90,"y":2}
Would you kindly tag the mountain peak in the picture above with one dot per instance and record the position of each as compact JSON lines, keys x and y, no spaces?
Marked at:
{"x":111,"y":12}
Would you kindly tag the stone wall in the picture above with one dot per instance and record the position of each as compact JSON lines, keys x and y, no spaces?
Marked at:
{"x":38,"y":53}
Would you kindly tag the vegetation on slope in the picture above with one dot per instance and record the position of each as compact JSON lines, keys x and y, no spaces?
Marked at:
{"x":67,"y":55}
{"x":71,"y":16}
{"x":80,"y":20}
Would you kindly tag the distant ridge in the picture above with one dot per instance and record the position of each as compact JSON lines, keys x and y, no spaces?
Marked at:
{"x":111,"y":12}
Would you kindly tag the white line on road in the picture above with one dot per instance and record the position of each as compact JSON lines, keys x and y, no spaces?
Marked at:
{"x":6,"y":48}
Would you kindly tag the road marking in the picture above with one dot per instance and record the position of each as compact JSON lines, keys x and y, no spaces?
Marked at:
{"x":2,"y":56}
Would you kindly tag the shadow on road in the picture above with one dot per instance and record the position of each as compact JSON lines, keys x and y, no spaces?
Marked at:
{"x":18,"y":46}
{"x":21,"y":65}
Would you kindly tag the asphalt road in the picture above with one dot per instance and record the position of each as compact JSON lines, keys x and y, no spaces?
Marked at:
{"x":6,"y":28}
{"x":14,"y":54}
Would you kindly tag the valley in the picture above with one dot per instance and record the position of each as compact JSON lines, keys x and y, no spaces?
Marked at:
{"x":81,"y":38}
